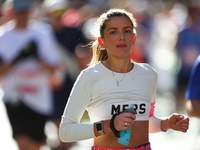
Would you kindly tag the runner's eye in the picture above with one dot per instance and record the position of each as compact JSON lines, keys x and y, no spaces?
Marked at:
{"x":127,"y":31}
{"x":113,"y":32}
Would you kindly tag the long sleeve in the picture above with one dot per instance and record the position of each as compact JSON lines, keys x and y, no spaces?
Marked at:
{"x":70,"y":128}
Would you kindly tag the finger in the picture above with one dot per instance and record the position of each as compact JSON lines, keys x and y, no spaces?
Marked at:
{"x":178,"y":117}
{"x":183,"y":125}
{"x":184,"y":130}
{"x":174,"y":117}
{"x":183,"y":117}
{"x":126,"y":126}
{"x":129,"y":120}
{"x":185,"y":120}
{"x":129,"y":115}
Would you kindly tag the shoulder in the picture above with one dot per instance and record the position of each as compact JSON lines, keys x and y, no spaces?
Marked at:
{"x":6,"y":28}
{"x":146,"y":70}
{"x":86,"y":77}
{"x":40,"y":26}
{"x":40,"y":30}
{"x":2,"y":31}
{"x":90,"y":70}
{"x":93,"y":72}
{"x":145,"y":67}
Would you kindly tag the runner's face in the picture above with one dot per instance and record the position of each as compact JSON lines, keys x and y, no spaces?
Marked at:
{"x":21,"y":18}
{"x":118,"y":36}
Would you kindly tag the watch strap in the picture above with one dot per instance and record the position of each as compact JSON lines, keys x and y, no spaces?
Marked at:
{"x":100,"y":131}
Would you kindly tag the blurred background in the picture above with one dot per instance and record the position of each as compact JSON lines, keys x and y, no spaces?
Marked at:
{"x":168,"y":38}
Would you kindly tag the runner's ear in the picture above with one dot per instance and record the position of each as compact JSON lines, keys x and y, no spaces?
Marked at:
{"x":100,"y":41}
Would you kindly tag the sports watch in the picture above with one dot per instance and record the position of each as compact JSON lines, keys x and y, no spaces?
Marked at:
{"x":99,"y":128}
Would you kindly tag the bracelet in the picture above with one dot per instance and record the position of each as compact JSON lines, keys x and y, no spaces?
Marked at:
{"x":112,"y":126}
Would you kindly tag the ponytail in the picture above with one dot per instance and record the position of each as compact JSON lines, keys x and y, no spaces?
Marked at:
{"x":97,"y":53}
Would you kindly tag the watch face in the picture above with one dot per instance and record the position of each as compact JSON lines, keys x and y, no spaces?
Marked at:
{"x":99,"y":126}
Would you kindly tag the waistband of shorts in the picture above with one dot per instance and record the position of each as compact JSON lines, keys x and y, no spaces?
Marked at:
{"x":142,"y":147}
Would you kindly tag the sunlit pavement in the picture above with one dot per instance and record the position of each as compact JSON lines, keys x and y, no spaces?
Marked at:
{"x":170,"y":140}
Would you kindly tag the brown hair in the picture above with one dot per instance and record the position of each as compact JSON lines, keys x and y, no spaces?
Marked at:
{"x":101,"y":55}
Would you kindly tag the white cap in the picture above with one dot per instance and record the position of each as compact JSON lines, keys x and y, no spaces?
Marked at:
{"x":53,"y":5}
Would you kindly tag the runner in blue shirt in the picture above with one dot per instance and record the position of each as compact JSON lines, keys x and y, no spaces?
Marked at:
{"x":193,"y":91}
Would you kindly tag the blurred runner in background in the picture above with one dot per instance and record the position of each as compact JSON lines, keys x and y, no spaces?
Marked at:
{"x":27,"y":57}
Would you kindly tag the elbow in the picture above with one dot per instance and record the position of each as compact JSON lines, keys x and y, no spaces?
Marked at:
{"x":63,"y":135}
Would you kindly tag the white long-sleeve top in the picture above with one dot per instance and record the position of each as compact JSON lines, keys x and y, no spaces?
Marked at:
{"x":96,"y":91}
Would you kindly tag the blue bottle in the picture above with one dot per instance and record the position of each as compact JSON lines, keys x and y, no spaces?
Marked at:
{"x":125,"y":134}
{"x":124,"y":137}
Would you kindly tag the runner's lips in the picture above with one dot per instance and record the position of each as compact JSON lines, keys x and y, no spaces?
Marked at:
{"x":121,"y":45}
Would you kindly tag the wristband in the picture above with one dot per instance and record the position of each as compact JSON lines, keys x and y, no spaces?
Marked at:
{"x":112,"y":126}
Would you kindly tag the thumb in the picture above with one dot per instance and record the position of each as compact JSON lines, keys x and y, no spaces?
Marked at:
{"x":178,"y":116}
